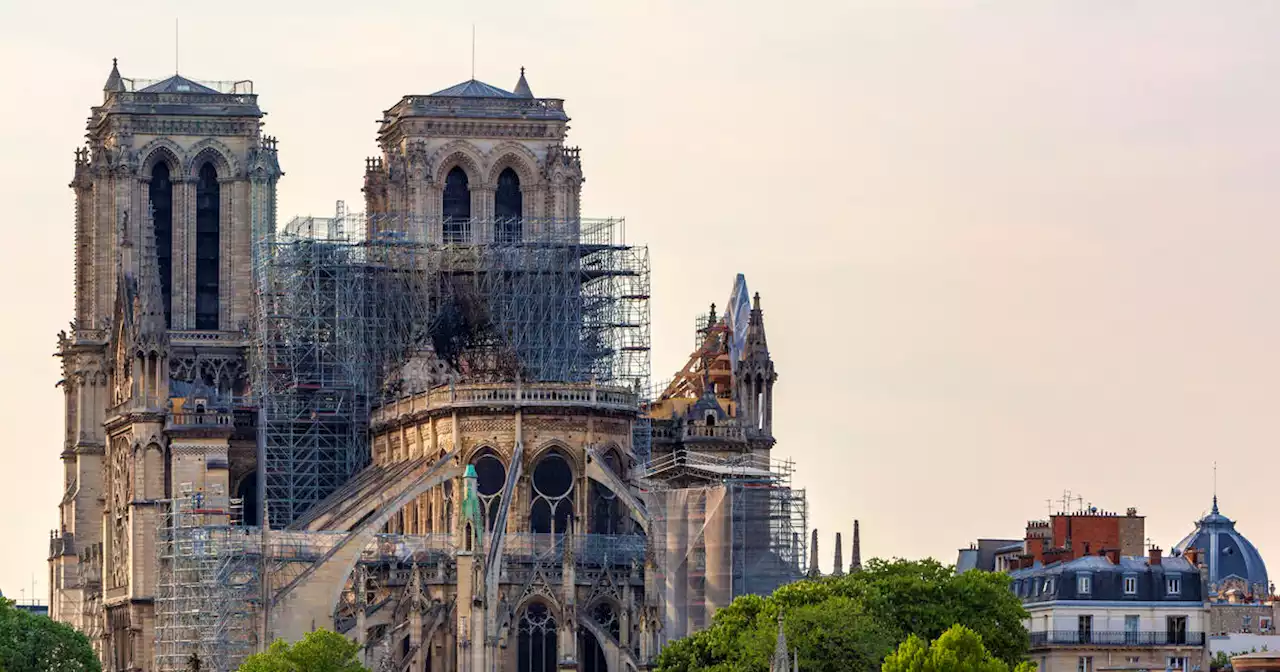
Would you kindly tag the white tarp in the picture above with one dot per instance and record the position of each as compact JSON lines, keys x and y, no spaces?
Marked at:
{"x":737,"y":316}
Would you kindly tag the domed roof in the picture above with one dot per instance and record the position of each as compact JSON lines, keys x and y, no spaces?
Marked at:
{"x":1227,"y":553}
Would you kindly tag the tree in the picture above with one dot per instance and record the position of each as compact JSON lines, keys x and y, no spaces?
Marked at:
{"x":30,"y":643}
{"x":855,"y":620}
{"x":959,"y":649}
{"x":320,"y":651}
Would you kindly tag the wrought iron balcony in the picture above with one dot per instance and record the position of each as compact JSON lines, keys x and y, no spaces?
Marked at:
{"x":1115,"y":638}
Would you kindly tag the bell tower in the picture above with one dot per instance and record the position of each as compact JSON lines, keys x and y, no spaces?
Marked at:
{"x":173,"y":188}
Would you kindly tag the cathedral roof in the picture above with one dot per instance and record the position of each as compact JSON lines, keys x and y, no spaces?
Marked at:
{"x":1227,"y":553}
{"x":474,"y":88}
{"x":178,"y":84}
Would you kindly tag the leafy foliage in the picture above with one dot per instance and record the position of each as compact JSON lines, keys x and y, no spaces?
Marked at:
{"x":320,"y":651}
{"x":959,"y":649}
{"x":853,"y":622}
{"x":30,"y":643}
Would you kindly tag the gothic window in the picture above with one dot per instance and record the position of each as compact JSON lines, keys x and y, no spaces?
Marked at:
{"x":508,"y":207}
{"x":608,"y":513}
{"x":604,"y":614}
{"x":491,"y":476}
{"x":161,"y":191}
{"x":457,"y":205}
{"x":537,"y":640}
{"x":447,"y":523}
{"x":552,"y":495}
{"x":208,"y":211}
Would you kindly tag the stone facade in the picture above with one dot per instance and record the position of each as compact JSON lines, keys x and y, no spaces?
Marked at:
{"x":163,"y":295}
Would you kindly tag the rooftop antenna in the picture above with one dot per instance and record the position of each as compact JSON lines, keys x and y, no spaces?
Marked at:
{"x":1215,"y":486}
{"x":473,"y":51}
{"x":175,"y":45}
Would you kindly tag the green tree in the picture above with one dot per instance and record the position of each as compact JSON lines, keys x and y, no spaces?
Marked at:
{"x":959,"y":649}
{"x":320,"y":651}
{"x":855,"y":620}
{"x":30,"y":643}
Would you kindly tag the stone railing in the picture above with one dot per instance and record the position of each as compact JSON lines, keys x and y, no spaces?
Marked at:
{"x":509,"y":395}
{"x":231,"y":338}
{"x":200,"y":419}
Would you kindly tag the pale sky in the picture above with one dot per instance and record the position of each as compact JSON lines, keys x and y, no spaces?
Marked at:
{"x":1004,"y":248}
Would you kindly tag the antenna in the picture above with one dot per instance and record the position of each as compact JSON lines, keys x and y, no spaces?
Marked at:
{"x":175,"y":45}
{"x":473,"y":51}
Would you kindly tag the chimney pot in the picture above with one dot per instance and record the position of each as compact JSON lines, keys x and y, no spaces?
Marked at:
{"x":1154,"y":555}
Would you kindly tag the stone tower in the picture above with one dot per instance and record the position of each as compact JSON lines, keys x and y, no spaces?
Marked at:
{"x":173,"y":187}
{"x":475,"y":164}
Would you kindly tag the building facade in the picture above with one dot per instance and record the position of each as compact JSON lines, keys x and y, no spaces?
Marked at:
{"x":1110,"y":612}
{"x":173,"y":186}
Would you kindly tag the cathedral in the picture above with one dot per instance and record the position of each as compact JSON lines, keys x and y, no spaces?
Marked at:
{"x":428,"y":426}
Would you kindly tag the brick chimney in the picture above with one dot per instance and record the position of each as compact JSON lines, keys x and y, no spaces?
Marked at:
{"x":1154,"y":556}
{"x":1113,"y":554}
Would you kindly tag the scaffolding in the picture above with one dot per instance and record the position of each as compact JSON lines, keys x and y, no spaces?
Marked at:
{"x":207,"y":584}
{"x":739,"y":531}
{"x":346,"y":305}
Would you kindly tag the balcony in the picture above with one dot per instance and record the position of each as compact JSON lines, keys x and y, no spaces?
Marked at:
{"x":1115,"y":638}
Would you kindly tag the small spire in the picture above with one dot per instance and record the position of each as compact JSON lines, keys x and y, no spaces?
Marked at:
{"x":855,"y":551}
{"x":1215,"y":488}
{"x":755,"y":301}
{"x":522,"y":87}
{"x":781,"y":657}
{"x":838,"y":565}
{"x":813,"y":557}
{"x":115,"y":82}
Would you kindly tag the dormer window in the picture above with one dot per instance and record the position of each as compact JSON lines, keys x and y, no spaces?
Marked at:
{"x":1049,"y":584}
{"x":711,"y":419}
{"x":1130,"y":585}
{"x":1084,"y":584}
{"x":1173,"y":584}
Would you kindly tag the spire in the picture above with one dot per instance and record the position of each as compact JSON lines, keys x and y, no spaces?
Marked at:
{"x":1215,"y":488}
{"x":855,"y":551}
{"x":781,"y":659}
{"x":152,"y":321}
{"x":522,"y":87}
{"x":837,"y":568}
{"x":813,"y":557}
{"x":114,"y":81}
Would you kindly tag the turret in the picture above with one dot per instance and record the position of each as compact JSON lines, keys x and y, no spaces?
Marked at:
{"x":837,"y":568}
{"x":855,"y":552}
{"x":813,"y":557}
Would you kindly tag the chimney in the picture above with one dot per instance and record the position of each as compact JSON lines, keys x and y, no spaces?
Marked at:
{"x":1193,"y":556}
{"x":837,"y":569}
{"x":1153,"y":556}
{"x":1113,"y":555}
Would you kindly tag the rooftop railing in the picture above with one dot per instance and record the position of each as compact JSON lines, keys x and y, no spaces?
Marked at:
{"x":477,"y":395}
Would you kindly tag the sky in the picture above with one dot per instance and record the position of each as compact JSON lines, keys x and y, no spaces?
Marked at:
{"x":1004,"y":249}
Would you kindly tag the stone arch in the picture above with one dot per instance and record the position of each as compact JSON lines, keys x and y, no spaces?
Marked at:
{"x":153,"y":464}
{"x":211,"y":149}
{"x":515,"y":156}
{"x":565,"y":451}
{"x":489,"y":482}
{"x":462,"y":154}
{"x":161,"y":149}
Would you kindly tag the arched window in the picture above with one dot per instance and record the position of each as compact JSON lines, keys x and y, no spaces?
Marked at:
{"x":447,"y":523}
{"x":457,"y":205}
{"x":608,"y":513}
{"x":508,"y":207}
{"x":161,"y":191}
{"x":208,"y":211}
{"x":537,"y":640}
{"x":491,"y":476}
{"x":552,"y":495}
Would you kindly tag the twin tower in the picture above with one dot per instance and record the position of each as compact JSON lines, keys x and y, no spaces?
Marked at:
{"x":174,"y":189}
